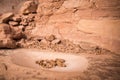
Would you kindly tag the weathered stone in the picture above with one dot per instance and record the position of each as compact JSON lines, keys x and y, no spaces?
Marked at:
{"x":13,"y":23}
{"x":18,"y":35}
{"x":24,"y":23}
{"x":6,"y":17}
{"x":88,"y":46}
{"x":60,"y":64}
{"x":56,"y":41}
{"x":5,"y":30}
{"x":51,"y":63}
{"x":2,"y":70}
{"x":16,"y":18}
{"x":21,"y":43}
{"x":31,"y":17}
{"x":79,"y":20}
{"x":7,"y":43}
{"x":50,"y":38}
{"x":5,"y":37}
{"x":21,"y":27}
{"x":45,"y":41}
{"x":29,"y":7}
{"x":60,"y":60}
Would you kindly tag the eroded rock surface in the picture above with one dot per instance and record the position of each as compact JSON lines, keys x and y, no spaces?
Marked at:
{"x":76,"y":20}
{"x":29,"y":7}
{"x":7,"y":43}
{"x":6,"y":17}
{"x":5,"y":37}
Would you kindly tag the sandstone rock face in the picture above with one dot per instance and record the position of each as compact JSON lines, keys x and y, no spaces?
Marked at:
{"x":10,"y":5}
{"x":5,"y":37}
{"x":29,"y":7}
{"x":16,"y":18}
{"x":6,"y":17}
{"x":13,"y":23}
{"x":50,"y":38}
{"x":107,"y":28}
{"x":18,"y":35}
{"x":7,"y":43}
{"x":5,"y":30}
{"x":95,"y":21}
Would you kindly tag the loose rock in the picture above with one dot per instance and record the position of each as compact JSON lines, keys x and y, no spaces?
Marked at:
{"x":50,"y":38}
{"x":29,"y":7}
{"x":56,"y":41}
{"x":13,"y":23}
{"x":16,"y":18}
{"x":51,"y":63}
{"x":60,"y":60}
{"x":18,"y":35}
{"x":6,"y":17}
{"x":5,"y":30}
{"x":24,"y":23}
{"x":7,"y":43}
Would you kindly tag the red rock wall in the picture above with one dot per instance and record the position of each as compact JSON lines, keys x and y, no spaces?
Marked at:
{"x":95,"y":21}
{"x":10,"y":5}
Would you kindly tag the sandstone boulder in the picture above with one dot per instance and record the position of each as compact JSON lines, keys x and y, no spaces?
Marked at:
{"x":29,"y":7}
{"x":16,"y":18}
{"x":5,"y":37}
{"x":18,"y":36}
{"x":6,"y":17}
{"x":21,"y":43}
{"x":5,"y":30}
{"x":56,"y":41}
{"x":13,"y":23}
{"x":7,"y":43}
{"x":21,"y":27}
{"x":24,"y":23}
{"x":50,"y":38}
{"x":17,"y":33}
{"x":88,"y":46}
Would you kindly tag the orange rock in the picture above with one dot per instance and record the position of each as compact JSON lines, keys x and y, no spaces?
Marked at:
{"x":16,"y":18}
{"x":6,"y":17}
{"x":56,"y":41}
{"x":28,"y":7}
{"x":60,"y":60}
{"x":13,"y":23}
{"x":50,"y":38}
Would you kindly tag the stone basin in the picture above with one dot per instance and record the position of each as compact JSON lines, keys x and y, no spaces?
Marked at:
{"x":27,"y":58}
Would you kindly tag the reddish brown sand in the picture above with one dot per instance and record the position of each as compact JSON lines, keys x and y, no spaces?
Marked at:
{"x":100,"y":67}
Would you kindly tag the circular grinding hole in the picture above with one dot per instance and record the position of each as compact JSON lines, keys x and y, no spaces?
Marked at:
{"x":28,"y":58}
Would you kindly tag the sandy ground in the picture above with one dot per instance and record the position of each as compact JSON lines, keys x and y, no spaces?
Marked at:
{"x":99,"y":67}
{"x":75,"y":63}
